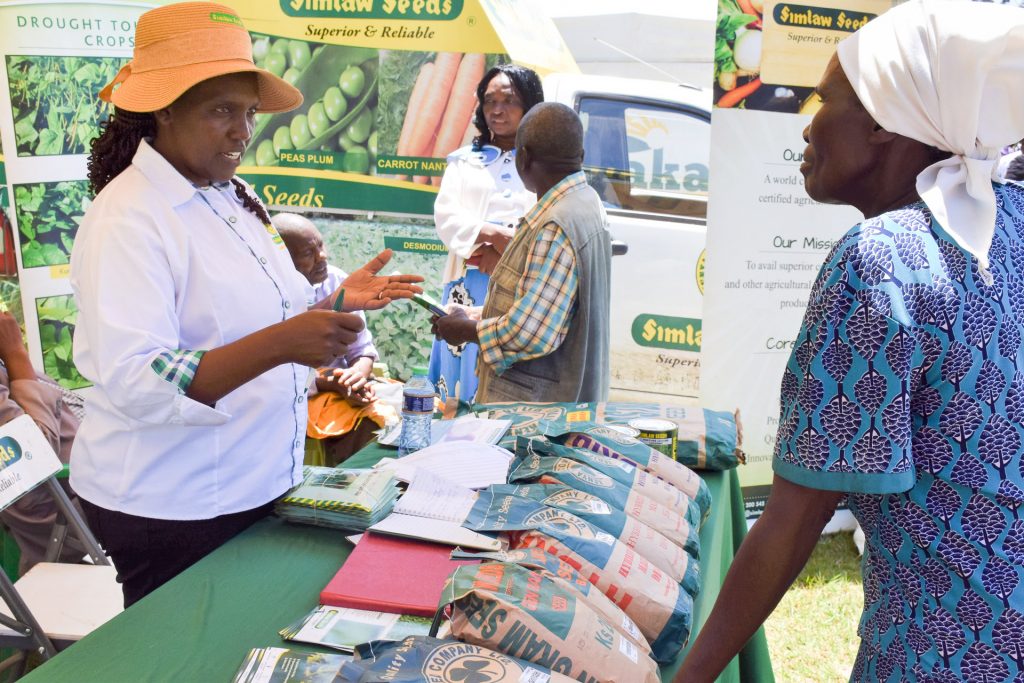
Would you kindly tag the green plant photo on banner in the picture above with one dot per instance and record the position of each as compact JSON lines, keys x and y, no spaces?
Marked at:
{"x":48,"y":217}
{"x":401,"y":330}
{"x":57,"y":315}
{"x":54,"y":101}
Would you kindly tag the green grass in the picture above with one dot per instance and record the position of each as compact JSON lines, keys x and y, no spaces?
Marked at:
{"x":812,"y":635}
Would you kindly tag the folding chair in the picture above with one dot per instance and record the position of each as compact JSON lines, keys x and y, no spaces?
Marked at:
{"x":53,"y":604}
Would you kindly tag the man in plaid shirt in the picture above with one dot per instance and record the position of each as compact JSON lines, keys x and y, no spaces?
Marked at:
{"x":543,"y":330}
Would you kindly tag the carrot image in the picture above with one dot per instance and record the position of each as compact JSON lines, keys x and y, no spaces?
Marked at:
{"x":424,"y":179}
{"x":430,"y":113}
{"x":737,"y":95}
{"x":747,"y":7}
{"x":460,"y":107}
{"x":419,"y":94}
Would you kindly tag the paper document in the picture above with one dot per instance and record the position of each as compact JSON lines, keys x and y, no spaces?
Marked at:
{"x":465,"y":428}
{"x":435,"y":530}
{"x":431,"y":496}
{"x":472,"y":465}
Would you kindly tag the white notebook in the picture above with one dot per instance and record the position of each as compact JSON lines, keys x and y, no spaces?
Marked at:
{"x":431,"y":496}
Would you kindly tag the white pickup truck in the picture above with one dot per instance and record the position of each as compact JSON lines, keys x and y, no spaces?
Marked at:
{"x":646,"y":149}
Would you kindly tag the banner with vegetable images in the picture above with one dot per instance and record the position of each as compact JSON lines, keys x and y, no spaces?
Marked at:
{"x":54,"y":58}
{"x":766,"y":238}
{"x":389,"y":92}
{"x":360,"y":143}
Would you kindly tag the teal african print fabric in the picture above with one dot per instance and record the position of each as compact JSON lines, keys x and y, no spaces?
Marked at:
{"x":906,"y":389}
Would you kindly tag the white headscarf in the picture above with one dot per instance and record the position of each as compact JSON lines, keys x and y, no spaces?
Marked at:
{"x":950,"y":75}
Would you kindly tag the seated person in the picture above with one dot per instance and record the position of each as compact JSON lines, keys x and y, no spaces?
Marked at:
{"x":344,"y":390}
{"x":23,"y":391}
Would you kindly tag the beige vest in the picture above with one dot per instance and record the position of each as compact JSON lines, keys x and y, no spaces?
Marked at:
{"x":578,"y":369}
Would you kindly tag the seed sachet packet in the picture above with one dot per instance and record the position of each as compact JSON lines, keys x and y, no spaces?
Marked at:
{"x":675,"y":524}
{"x":621,"y":471}
{"x":638,"y":535}
{"x":506,"y":513}
{"x":522,"y":613}
{"x":661,"y":607}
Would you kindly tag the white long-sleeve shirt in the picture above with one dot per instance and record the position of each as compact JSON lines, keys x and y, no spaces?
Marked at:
{"x":161,"y":272}
{"x":477,"y":188}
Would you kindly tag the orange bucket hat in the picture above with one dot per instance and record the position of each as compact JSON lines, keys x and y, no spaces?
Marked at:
{"x":180,"y":45}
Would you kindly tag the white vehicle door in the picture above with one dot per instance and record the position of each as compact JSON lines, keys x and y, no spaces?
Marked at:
{"x":648,"y":160}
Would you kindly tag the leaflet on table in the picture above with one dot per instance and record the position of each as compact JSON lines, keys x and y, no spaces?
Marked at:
{"x":434,"y":530}
{"x":472,"y":465}
{"x":343,"y":628}
{"x":275,"y":664}
{"x":432,"y":496}
{"x":430,"y":303}
{"x":465,"y":428}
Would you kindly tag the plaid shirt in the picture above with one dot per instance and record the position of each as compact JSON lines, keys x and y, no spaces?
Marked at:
{"x":538,"y":321}
{"x":178,"y":367}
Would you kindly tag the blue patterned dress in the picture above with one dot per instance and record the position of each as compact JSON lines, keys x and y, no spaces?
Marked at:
{"x":906,"y":390}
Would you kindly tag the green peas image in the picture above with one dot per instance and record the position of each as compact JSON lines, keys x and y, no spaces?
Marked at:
{"x":265,"y":154}
{"x":339,"y":84}
{"x":298,"y":54}
{"x":300,"y":131}
{"x":282,"y":140}
{"x":276,"y":63}
{"x":260,"y":49}
{"x":280,"y":46}
{"x":334,"y":103}
{"x":352,"y":81}
{"x":357,"y":160}
{"x":371,"y":145}
{"x":249,"y":158}
{"x":359,"y":130}
{"x":317,"y":119}
{"x":345,"y":143}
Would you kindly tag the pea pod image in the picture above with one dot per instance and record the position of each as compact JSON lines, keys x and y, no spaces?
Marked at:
{"x":339,"y":85}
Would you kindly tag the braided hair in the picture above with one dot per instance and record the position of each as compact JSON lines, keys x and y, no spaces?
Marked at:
{"x":112,"y":152}
{"x":251,"y":203}
{"x":525,"y":83}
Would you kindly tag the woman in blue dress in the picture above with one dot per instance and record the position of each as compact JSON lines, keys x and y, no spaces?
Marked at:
{"x":477,"y":209}
{"x":904,"y":393}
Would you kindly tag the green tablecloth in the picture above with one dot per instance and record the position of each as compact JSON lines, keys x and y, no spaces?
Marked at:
{"x":199,"y":626}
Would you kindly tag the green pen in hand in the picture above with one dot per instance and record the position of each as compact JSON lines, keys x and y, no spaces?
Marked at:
{"x":340,"y":301}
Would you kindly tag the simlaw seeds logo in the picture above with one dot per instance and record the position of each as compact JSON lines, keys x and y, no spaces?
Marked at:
{"x":419,"y":10}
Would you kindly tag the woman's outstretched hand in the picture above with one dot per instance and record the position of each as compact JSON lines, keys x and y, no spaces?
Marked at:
{"x":367,"y":291}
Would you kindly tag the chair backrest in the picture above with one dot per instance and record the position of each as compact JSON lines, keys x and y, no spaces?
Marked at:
{"x":26,"y":459}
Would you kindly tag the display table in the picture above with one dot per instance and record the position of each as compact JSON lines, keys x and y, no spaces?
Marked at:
{"x":198,"y":627}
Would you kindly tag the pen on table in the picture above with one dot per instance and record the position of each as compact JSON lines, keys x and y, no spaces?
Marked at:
{"x":339,"y":301}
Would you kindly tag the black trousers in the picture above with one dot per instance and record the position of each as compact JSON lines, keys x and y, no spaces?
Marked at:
{"x":148,"y":553}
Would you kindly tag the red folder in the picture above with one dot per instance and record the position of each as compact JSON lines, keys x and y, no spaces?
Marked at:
{"x":392,"y":574}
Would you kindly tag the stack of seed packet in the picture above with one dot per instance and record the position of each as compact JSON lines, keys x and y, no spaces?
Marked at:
{"x":340,"y":499}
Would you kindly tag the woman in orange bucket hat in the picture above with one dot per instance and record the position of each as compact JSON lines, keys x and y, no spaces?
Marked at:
{"x":193,"y":324}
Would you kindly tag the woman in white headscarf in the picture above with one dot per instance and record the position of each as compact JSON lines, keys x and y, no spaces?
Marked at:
{"x":905,"y":391}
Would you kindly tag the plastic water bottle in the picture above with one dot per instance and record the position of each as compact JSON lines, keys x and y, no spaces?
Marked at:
{"x":417,"y":412}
